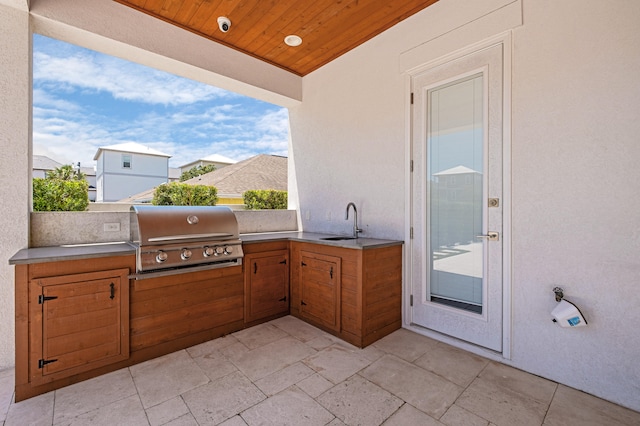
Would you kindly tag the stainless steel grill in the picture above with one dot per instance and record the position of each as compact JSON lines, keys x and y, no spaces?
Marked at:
{"x":174,"y":239}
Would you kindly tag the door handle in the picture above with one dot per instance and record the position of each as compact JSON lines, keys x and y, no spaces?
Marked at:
{"x":491,"y":236}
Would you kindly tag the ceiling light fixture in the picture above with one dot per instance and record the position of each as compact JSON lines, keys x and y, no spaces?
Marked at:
{"x":293,"y":40}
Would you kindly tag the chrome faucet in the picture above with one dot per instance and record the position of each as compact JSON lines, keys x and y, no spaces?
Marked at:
{"x":356,"y":230}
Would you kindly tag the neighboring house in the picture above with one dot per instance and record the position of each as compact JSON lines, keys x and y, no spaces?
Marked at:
{"x":259,"y":172}
{"x":174,"y":174}
{"x":128,"y":168}
{"x":43,"y":164}
{"x":219,"y":161}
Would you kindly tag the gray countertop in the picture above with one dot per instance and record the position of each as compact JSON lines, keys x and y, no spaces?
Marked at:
{"x":312,"y":237}
{"x":123,"y":248}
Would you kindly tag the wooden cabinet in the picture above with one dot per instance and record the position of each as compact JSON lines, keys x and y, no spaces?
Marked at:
{"x":266,"y":281}
{"x":72,"y":321}
{"x":361,"y":303}
{"x":79,"y":322}
{"x":320,"y":289}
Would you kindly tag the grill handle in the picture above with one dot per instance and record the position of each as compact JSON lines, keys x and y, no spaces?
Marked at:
{"x":213,"y":235}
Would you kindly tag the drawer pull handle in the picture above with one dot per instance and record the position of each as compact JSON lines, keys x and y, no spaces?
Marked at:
{"x":284,"y":299}
{"x":255,"y":267}
{"x":113,"y":291}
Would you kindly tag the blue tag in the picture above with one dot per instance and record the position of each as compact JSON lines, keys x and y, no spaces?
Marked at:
{"x":573,"y":321}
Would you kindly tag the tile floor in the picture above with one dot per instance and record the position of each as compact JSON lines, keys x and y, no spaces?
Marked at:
{"x":287,"y":372}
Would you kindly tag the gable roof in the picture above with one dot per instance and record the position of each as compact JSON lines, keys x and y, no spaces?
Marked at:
{"x":132,"y":147}
{"x":42,"y":162}
{"x":214,"y":158}
{"x":458,"y":170}
{"x":262,"y":171}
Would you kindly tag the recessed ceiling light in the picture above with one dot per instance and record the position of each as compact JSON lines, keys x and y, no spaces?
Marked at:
{"x":293,"y":40}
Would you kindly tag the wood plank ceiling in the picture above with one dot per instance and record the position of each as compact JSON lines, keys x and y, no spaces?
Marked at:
{"x":328,"y":28}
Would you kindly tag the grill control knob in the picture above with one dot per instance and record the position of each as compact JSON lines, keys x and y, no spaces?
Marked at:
{"x":219,"y":250}
{"x":161,"y":256}
{"x":208,"y":251}
{"x":228,"y":250}
{"x":186,"y":254}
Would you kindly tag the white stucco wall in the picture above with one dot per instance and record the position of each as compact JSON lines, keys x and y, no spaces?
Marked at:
{"x":15,"y":133}
{"x":575,"y":99}
{"x":575,"y":153}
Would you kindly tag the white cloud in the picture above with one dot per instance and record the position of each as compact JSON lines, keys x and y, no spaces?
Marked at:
{"x":183,"y":118}
{"x":123,"y":80}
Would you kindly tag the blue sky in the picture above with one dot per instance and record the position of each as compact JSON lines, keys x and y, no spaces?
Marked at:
{"x":83,"y":100}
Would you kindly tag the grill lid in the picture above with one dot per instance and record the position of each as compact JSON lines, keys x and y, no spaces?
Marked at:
{"x":161,"y":225}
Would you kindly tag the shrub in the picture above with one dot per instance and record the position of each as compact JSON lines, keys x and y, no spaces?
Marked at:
{"x":196,"y":171}
{"x":257,"y":199}
{"x":51,"y":195}
{"x":182,"y":194}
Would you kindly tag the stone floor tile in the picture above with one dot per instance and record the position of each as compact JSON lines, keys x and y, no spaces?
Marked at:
{"x":259,"y":335}
{"x":291,"y":407}
{"x":297,"y":328}
{"x":337,"y":363}
{"x":222,"y":399}
{"x":80,"y":398}
{"x":185,"y":420}
{"x":213,"y":363}
{"x":167,"y":411}
{"x":127,"y":411}
{"x":163,"y":378}
{"x":409,"y":415}
{"x":336,"y":422}
{"x":7,"y":383}
{"x":501,"y":405}
{"x":458,"y":416}
{"x":280,"y":380}
{"x":234,"y":351}
{"x":529,"y":385}
{"x":212,"y":346}
{"x":405,"y":344}
{"x":234,"y":421}
{"x":422,"y":389}
{"x":455,"y":365}
{"x":572,"y":407}
{"x":315,"y":385}
{"x":36,"y":411}
{"x":270,"y":358}
{"x":357,"y":401}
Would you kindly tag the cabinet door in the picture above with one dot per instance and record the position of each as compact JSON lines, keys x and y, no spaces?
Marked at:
{"x":79,"y":322}
{"x":266,"y":284}
{"x":320,"y":289}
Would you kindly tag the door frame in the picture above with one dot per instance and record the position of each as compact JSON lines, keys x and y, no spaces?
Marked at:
{"x":505,"y":40}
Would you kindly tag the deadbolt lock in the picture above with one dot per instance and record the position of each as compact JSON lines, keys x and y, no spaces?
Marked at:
{"x":494,"y":202}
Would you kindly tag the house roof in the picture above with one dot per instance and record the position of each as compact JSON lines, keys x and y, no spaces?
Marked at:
{"x":458,"y":170}
{"x":214,"y":158}
{"x":262,"y":171}
{"x":132,"y":147}
{"x":259,"y":172}
{"x":42,"y":162}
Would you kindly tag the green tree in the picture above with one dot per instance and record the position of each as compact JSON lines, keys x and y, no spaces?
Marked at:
{"x":258,"y":199}
{"x":66,"y":172}
{"x":196,"y":171}
{"x":63,"y":189}
{"x":182,"y":194}
{"x":50,"y":195}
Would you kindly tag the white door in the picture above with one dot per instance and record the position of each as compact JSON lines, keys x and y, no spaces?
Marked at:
{"x":457,"y":196}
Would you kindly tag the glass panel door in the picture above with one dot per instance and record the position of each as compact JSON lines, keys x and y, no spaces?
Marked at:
{"x":455,"y":155}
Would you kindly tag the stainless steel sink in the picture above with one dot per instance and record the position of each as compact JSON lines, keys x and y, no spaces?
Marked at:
{"x":338,"y":238}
